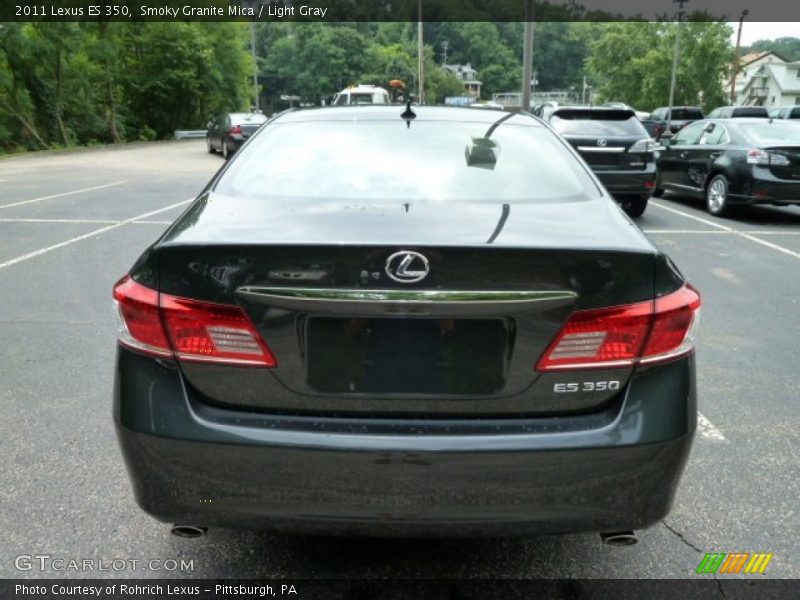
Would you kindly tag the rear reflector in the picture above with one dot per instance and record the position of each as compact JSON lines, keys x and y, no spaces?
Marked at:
{"x":622,"y":336}
{"x":189,"y":330}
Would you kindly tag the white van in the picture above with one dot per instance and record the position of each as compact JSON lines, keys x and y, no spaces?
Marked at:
{"x":361,"y":94}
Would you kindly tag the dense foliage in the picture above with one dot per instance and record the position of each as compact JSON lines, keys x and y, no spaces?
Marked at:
{"x":634,"y":62}
{"x":79,"y":83}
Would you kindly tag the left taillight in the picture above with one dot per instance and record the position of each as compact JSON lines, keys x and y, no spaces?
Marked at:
{"x":138,"y":318}
{"x":643,"y":333}
{"x":190,"y":330}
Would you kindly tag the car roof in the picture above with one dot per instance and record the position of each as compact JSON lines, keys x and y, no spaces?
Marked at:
{"x":740,"y":120}
{"x":390,"y":112}
{"x":597,"y":110}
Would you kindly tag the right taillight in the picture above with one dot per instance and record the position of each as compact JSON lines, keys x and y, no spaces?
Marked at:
{"x":190,"y":330}
{"x":622,"y":336}
{"x":646,"y":145}
{"x":756,"y":156}
{"x":672,"y":334}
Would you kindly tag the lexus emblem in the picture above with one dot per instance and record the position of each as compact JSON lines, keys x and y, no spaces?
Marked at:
{"x":407,"y":267}
{"x":601,"y":142}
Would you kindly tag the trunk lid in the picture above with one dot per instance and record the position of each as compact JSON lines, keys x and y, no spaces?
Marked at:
{"x":349,"y":339}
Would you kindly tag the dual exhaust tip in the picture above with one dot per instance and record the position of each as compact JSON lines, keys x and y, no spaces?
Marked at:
{"x":188,"y":531}
{"x":619,"y":538}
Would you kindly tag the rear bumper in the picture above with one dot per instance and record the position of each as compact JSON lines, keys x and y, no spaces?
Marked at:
{"x":190,"y":463}
{"x":767,"y":189}
{"x":629,"y":182}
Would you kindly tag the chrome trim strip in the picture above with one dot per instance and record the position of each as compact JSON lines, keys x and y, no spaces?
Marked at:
{"x":405,"y":301}
{"x":613,"y":149}
{"x":611,"y":364}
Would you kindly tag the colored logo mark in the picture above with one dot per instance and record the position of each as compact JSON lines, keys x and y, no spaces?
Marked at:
{"x":734,"y":562}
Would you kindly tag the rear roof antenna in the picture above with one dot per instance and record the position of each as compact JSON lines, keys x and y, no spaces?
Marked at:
{"x":408,"y":115}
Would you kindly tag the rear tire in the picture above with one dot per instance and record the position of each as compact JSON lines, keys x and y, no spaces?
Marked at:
{"x":210,"y":146}
{"x":225,"y":152}
{"x":634,"y":206}
{"x":717,"y":196}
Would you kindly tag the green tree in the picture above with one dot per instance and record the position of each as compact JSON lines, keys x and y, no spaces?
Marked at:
{"x":787,"y":47}
{"x":634,"y":63}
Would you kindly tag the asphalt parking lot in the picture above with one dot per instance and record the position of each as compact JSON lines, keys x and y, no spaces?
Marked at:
{"x":71,"y":224}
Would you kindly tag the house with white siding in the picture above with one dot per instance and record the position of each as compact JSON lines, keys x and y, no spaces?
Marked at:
{"x":468,"y":76}
{"x":767,"y":79}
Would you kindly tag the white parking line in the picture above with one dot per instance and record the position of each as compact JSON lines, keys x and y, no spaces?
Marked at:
{"x":41,"y":251}
{"x":65,"y":221}
{"x":84,"y":221}
{"x":62,"y":194}
{"x":717,"y":232}
{"x":727,"y":229}
{"x":708,"y":430}
{"x":696,"y":231}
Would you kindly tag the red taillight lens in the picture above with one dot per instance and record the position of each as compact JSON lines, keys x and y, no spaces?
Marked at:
{"x":235,"y":130}
{"x":205,"y":332}
{"x":608,"y":337}
{"x":138,"y":319}
{"x":621,"y":336}
{"x":673,"y":325}
{"x":166,"y":325}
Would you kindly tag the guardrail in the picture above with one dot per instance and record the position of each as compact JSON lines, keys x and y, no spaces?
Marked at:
{"x":185,"y":134}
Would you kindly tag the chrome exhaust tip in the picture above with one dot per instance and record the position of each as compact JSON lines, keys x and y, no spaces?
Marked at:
{"x":188,"y":531}
{"x":619,"y":538}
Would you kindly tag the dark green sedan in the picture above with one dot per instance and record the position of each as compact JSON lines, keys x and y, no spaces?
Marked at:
{"x":430,"y":321}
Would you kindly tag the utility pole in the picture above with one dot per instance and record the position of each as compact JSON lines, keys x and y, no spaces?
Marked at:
{"x":256,"y":104}
{"x":420,"y":56}
{"x":444,"y":44}
{"x":735,"y":66}
{"x":675,"y":59}
{"x":527,"y":56}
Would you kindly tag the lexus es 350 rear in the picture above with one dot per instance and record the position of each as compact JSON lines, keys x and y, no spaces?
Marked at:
{"x":430,"y":324}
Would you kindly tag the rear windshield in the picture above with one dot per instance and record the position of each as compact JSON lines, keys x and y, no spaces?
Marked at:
{"x":385,"y":161}
{"x":686,"y":114}
{"x":754,"y":111}
{"x":777,"y":133}
{"x":591,"y":124}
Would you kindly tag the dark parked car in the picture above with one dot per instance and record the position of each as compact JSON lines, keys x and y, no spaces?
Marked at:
{"x":227,"y":132}
{"x":434,"y":323}
{"x":738,"y":112}
{"x":733,"y":161}
{"x":680,"y":117}
{"x":785,"y":112}
{"x":615,"y":144}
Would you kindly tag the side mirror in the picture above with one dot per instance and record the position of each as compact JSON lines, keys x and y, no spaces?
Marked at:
{"x":209,"y":125}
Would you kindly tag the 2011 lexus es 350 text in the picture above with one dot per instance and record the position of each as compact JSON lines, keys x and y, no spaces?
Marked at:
{"x":405,"y":321}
